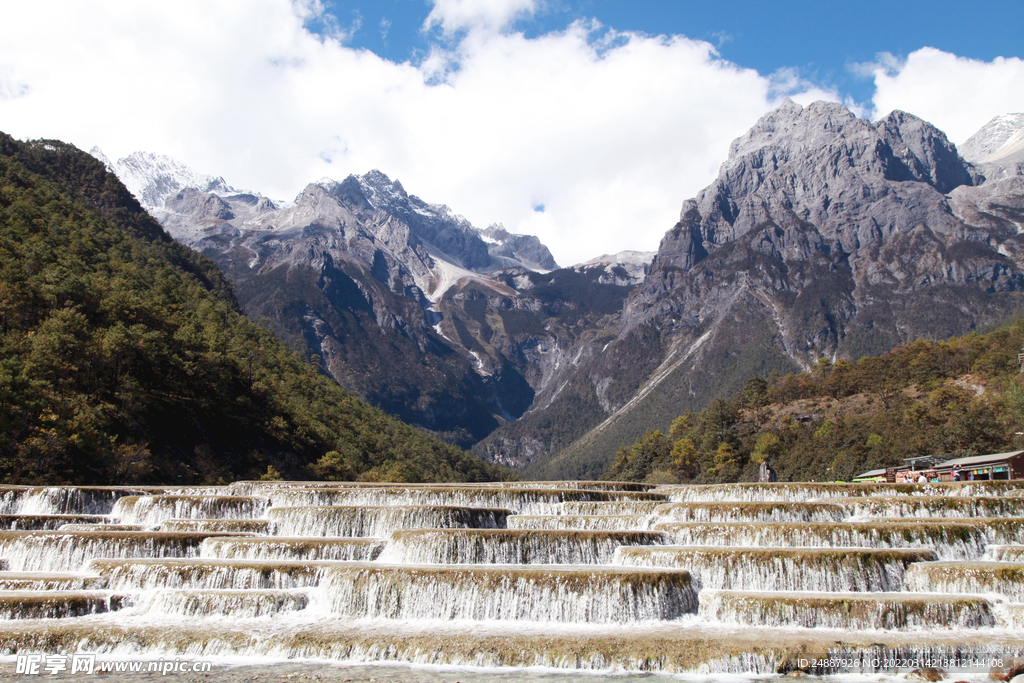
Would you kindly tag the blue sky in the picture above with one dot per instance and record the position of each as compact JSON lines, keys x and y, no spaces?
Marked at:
{"x":584,"y":122}
{"x":822,"y":41}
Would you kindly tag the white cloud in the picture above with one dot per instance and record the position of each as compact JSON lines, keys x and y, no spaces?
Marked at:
{"x":610,"y":136}
{"x":956,"y":94}
{"x":490,"y":15}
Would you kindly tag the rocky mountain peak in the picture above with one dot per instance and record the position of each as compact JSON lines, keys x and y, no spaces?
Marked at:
{"x":790,"y":125}
{"x":922,"y":152}
{"x":824,"y":235}
{"x":626,"y":268}
{"x":820,"y":165}
{"x":991,"y":137}
{"x":382,"y":192}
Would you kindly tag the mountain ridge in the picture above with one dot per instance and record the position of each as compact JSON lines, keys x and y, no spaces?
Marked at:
{"x":823,"y":235}
{"x":125,"y":358}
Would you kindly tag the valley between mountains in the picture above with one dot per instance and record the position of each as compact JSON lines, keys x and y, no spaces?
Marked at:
{"x":824,"y":236}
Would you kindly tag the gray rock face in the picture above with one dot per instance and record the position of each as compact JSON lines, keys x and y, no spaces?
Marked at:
{"x":823,"y":235}
{"x":509,"y":250}
{"x":818,"y":183}
{"x":625,"y":268}
{"x":402,"y":301}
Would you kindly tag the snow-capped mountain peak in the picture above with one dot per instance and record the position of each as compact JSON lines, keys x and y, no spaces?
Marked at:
{"x":152,"y":178}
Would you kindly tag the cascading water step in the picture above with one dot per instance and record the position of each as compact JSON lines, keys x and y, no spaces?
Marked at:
{"x":576,"y":508}
{"x":50,"y":581}
{"x":380,"y":521}
{"x":305,"y":581}
{"x":235,"y":604}
{"x":296,"y":548}
{"x":104,"y":527}
{"x":1011,"y":615}
{"x":783,"y":569}
{"x":672,"y":648}
{"x":1003,"y":578}
{"x":579,"y":522}
{"x":1000,"y":530}
{"x":135,"y":575}
{"x":935,"y":506}
{"x":152,"y":510}
{"x":47,"y":522}
{"x":752,"y":512}
{"x":1005,"y":553}
{"x":859,"y":611}
{"x":58,"y":604}
{"x":70,"y":550}
{"x":263,"y":488}
{"x":539,"y":501}
{"x":235,"y":526}
{"x":950,"y":540}
{"x":804,"y":491}
{"x":591,"y":595}
{"x":512,"y":546}
{"x":65,"y":500}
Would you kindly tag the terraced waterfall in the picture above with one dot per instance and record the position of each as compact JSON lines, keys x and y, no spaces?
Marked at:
{"x":745,"y":578}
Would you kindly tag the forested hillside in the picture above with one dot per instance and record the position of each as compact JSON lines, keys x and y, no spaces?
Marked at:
{"x":124,"y":357}
{"x":960,"y":397}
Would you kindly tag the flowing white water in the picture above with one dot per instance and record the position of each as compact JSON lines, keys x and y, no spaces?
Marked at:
{"x":1000,"y":530}
{"x":60,"y":551}
{"x":525,"y":501}
{"x":570,"y":575}
{"x":1011,"y":615}
{"x":235,"y":526}
{"x":860,"y":611}
{"x":804,"y":492}
{"x":151,"y":510}
{"x":57,"y":604}
{"x":1003,"y":578}
{"x":507,"y":546}
{"x":264,"y":488}
{"x":104,"y":527}
{"x":379,"y":521}
{"x":599,"y":508}
{"x":235,"y":604}
{"x":208,"y":574}
{"x":50,"y":581}
{"x":281,"y":548}
{"x":509,"y":593}
{"x":951,"y":540}
{"x":64,"y":500}
{"x":752,"y":512}
{"x":47,"y":522}
{"x":1005,"y":553}
{"x":580,"y":522}
{"x":935,"y":506}
{"x":782,"y":569}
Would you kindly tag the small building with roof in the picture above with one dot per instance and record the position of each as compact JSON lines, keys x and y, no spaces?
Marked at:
{"x":871,"y":475}
{"x":1008,"y":465}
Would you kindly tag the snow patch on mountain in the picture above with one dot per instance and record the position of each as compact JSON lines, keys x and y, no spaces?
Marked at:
{"x":1011,"y":150}
{"x":624,"y":268}
{"x":152,"y":178}
{"x":989,"y":142}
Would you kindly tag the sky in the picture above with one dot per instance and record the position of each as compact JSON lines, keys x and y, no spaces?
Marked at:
{"x":585,"y":122}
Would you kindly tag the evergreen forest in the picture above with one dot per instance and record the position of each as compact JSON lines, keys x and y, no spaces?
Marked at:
{"x":954,"y":398}
{"x":125,"y":359}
